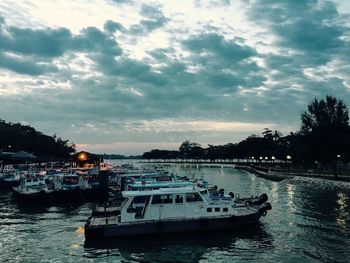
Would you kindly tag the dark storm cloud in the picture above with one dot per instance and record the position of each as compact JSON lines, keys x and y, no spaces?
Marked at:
{"x":33,"y":47}
{"x":24,"y":65}
{"x":112,"y":26}
{"x":224,"y":64}
{"x":219,"y":47}
{"x":309,"y":27}
{"x":44,"y":43}
{"x":153,"y":19}
{"x":309,"y":37}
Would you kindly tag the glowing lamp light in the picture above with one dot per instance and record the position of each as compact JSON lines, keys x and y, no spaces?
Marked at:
{"x":289,"y":157}
{"x":273,"y":158}
{"x":82,"y":157}
{"x":80,"y":230}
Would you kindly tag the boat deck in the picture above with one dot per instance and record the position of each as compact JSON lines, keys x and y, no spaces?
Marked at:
{"x":101,"y":221}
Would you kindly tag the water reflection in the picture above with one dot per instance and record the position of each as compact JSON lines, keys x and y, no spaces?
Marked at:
{"x":291,"y":192}
{"x":274,"y":190}
{"x":343,"y":212}
{"x":180,"y":247}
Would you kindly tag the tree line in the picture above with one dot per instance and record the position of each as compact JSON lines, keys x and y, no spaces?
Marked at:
{"x":323,"y":138}
{"x":17,"y":137}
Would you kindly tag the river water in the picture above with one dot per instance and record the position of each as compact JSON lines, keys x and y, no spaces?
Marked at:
{"x":308,"y":223}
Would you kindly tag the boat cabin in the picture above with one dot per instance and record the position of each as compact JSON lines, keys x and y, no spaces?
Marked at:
{"x":70,"y":181}
{"x":32,"y":182}
{"x":154,"y":185}
{"x":171,"y":203}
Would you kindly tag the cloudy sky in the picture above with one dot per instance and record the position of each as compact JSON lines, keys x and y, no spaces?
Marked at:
{"x":126,"y":76}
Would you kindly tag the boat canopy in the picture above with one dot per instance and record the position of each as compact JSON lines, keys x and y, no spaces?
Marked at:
{"x":177,"y":190}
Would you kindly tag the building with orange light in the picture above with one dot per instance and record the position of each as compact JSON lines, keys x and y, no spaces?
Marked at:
{"x":85,"y":160}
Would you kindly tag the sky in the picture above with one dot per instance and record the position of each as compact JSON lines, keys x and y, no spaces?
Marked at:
{"x":127,"y":76}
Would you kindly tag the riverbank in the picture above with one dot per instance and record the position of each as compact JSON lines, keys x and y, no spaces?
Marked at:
{"x":275,"y":175}
{"x":269,"y":172}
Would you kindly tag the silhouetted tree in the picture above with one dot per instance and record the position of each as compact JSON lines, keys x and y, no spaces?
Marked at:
{"x":327,"y":113}
{"x":190,"y":150}
{"x":16,"y":137}
{"x":324,"y":132}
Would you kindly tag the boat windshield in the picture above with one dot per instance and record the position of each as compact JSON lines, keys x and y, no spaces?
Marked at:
{"x":193,"y":197}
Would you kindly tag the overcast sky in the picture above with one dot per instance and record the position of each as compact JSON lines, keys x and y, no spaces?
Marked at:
{"x":126,"y":76}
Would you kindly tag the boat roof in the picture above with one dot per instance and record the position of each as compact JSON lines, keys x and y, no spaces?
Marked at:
{"x":160,"y":183}
{"x":140,"y":174}
{"x":177,"y":190}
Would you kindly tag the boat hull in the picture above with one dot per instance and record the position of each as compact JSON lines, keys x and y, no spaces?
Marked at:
{"x":4,"y":184}
{"x":169,"y":226}
{"x":79,"y":195}
{"x":62,"y":196}
{"x":40,"y":197}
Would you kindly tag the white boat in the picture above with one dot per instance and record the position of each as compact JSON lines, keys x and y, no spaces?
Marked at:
{"x":9,"y":177}
{"x":168,"y":210}
{"x":145,"y":185}
{"x":32,"y":188}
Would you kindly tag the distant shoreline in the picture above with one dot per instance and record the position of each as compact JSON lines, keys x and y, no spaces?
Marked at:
{"x":270,"y":173}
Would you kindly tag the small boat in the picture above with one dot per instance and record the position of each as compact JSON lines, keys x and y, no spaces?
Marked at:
{"x":76,"y":187}
{"x":169,"y":210}
{"x":9,"y":177}
{"x":32,"y":188}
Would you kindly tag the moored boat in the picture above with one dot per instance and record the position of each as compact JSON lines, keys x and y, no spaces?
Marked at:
{"x":9,"y":177}
{"x":32,"y":188}
{"x":169,"y":210}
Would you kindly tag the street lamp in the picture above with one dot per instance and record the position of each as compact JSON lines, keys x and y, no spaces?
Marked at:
{"x":289,"y":158}
{"x":336,"y":165}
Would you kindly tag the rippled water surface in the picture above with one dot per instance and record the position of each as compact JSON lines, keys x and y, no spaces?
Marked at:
{"x":307,"y":224}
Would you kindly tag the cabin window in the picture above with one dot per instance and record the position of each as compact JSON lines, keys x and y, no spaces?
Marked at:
{"x":209,"y":209}
{"x":225,"y":209}
{"x":193,"y":197}
{"x":162,"y":199}
{"x":138,"y":205}
{"x":217,"y":209}
{"x":179,"y":199}
{"x":28,"y":180}
{"x":136,"y":202}
{"x":35,"y":180}
{"x":139,"y":199}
